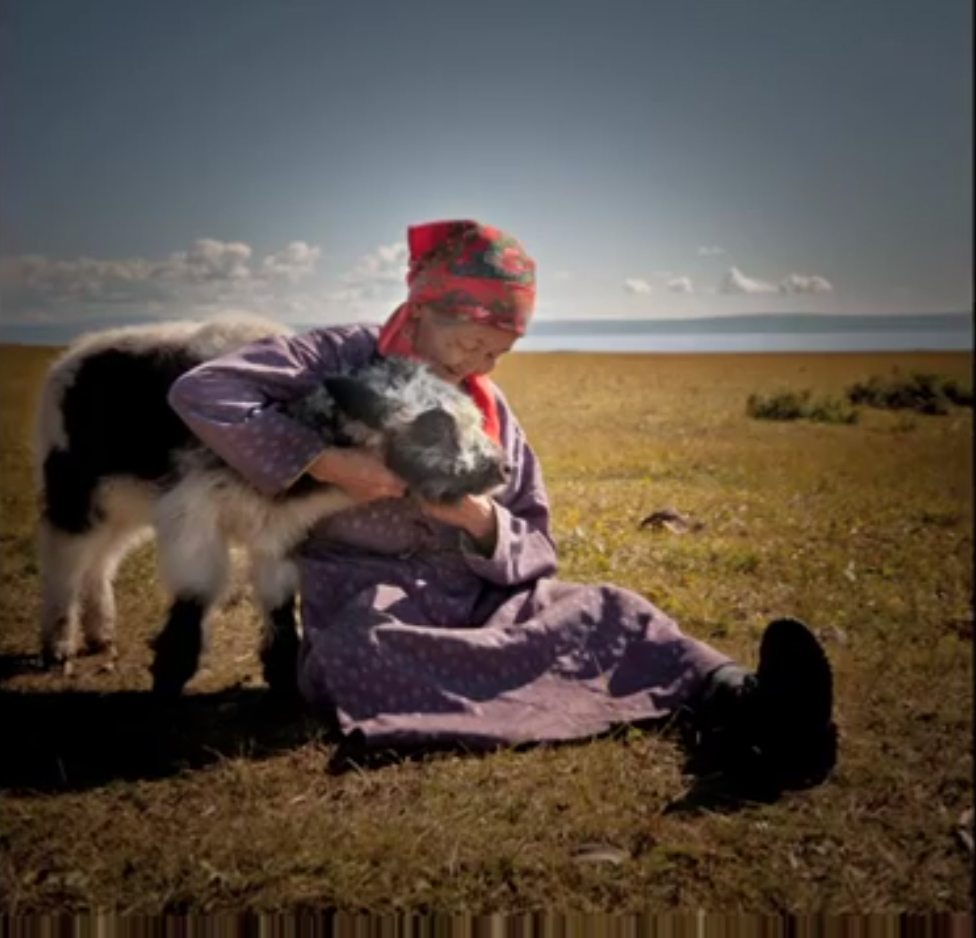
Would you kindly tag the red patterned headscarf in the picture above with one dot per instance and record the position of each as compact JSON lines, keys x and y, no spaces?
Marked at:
{"x":474,"y":272}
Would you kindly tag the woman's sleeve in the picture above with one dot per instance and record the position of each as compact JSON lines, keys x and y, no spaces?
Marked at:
{"x":524,"y":550}
{"x":229,"y":402}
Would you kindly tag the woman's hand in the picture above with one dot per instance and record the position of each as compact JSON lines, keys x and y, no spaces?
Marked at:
{"x":360,"y":473}
{"x":474,"y":514}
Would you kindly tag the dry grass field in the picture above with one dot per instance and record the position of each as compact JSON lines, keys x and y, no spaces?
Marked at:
{"x":110,"y":801}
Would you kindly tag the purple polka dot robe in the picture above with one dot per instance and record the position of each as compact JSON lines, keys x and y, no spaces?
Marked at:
{"x":411,"y":634}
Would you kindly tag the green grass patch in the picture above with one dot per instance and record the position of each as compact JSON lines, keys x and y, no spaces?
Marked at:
{"x":800,"y":405}
{"x":922,"y":392}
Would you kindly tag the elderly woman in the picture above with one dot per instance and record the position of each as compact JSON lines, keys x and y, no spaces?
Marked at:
{"x":432,"y":624}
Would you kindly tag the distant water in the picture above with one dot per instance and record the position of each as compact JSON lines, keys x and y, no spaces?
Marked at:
{"x":767,"y":332}
{"x":772,"y":332}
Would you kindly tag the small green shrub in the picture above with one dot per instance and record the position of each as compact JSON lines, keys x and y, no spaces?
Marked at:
{"x":921,"y":392}
{"x":799,"y":405}
{"x":788,"y":405}
{"x":955,"y":392}
{"x":832,"y":410}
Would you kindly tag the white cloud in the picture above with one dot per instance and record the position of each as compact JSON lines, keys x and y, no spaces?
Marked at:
{"x":40,"y":283}
{"x":208,"y":274}
{"x":735,"y":281}
{"x":637,"y":286}
{"x":680,"y":285}
{"x":209,"y":260}
{"x":293,"y":263}
{"x":374,"y":275}
{"x":803,"y":283}
{"x":347,"y":295}
{"x":710,"y":251}
{"x":387,"y":264}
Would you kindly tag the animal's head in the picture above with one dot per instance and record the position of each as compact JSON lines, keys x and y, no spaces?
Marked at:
{"x":430,"y":432}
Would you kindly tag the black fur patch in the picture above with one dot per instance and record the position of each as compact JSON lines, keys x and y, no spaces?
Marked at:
{"x":117,"y":422}
{"x":280,"y":656}
{"x":178,"y":646}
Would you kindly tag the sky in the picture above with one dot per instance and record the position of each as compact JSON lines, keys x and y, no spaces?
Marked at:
{"x":657,"y":159}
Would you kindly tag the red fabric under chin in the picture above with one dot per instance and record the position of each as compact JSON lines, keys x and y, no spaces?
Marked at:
{"x":482,"y":393}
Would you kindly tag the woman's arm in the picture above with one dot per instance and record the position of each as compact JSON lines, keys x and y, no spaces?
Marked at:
{"x":523,"y":548}
{"x":229,"y":402}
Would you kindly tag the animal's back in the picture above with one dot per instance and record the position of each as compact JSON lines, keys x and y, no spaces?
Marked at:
{"x":104,"y":410}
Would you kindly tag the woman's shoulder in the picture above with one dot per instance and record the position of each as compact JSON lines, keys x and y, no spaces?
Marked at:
{"x":511,"y":428}
{"x":361,"y":332}
{"x":352,"y":343}
{"x":500,"y":400}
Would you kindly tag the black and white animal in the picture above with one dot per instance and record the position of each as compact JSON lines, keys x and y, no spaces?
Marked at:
{"x":115,"y":463}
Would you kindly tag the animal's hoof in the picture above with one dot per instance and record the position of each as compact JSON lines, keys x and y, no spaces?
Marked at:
{"x":166,"y":689}
{"x":168,"y":686}
{"x":284,"y":694}
{"x":280,"y":672}
{"x":98,"y":646}
{"x":173,"y":666}
{"x":52,"y":659}
{"x":54,"y":654}
{"x":58,"y":660}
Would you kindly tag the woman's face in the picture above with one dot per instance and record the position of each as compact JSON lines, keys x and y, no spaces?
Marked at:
{"x":455,"y":348}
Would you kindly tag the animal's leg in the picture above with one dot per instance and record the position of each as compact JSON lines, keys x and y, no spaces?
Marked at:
{"x":97,"y":594}
{"x":61,"y":558}
{"x":194,"y":562}
{"x":275,"y":581}
{"x":178,"y":646}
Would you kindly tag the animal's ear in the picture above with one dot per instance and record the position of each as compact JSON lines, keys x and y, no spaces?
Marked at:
{"x":358,"y":401}
{"x":434,"y":427}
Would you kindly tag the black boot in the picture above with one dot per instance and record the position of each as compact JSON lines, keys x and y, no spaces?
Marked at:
{"x":771,"y":730}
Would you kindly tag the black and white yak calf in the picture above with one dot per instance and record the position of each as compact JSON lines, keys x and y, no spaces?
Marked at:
{"x":115,"y":462}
